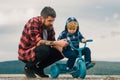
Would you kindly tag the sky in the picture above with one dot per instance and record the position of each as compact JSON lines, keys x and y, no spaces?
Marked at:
{"x":98,"y":20}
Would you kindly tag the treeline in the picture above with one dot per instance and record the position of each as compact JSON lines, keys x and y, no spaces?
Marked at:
{"x":105,"y":68}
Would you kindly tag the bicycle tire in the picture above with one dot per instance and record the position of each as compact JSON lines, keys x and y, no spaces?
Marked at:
{"x":82,"y":69}
{"x":54,"y":71}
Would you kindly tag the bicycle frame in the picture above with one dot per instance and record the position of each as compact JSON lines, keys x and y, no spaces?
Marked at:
{"x":79,"y":49}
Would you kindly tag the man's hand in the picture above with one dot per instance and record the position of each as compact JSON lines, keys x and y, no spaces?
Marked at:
{"x":62,"y":43}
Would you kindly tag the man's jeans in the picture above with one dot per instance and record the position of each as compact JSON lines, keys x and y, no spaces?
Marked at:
{"x":45,"y":56}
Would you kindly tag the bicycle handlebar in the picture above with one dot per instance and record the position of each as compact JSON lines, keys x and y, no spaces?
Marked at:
{"x":89,"y":40}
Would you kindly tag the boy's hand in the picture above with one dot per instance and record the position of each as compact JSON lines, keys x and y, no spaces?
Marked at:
{"x":83,"y":40}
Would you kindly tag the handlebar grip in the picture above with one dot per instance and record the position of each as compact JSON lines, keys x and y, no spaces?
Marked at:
{"x":89,"y":40}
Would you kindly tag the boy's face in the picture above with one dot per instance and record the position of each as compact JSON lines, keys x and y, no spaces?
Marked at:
{"x":71,"y":30}
{"x":72,"y":27}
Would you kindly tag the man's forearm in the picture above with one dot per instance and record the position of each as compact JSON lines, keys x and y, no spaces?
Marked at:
{"x":61,"y":43}
{"x":45,"y":42}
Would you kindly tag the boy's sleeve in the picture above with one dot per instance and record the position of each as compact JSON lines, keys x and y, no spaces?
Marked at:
{"x":80,"y":36}
{"x":61,"y":36}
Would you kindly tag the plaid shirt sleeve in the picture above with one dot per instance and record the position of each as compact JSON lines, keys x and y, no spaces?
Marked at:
{"x":30,"y":37}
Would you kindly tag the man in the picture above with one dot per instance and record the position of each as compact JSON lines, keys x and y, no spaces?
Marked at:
{"x":38,"y":47}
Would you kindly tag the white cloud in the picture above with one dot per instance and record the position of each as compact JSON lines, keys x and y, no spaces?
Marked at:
{"x":99,"y":7}
{"x":106,"y":50}
{"x":115,"y":16}
{"x":16,"y":16}
{"x":107,"y":19}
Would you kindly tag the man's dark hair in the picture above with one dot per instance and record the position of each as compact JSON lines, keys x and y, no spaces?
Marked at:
{"x":48,"y":11}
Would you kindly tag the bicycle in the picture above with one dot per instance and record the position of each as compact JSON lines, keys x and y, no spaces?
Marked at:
{"x":79,"y":70}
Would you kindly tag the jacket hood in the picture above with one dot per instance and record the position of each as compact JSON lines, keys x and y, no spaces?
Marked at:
{"x":69,"y":20}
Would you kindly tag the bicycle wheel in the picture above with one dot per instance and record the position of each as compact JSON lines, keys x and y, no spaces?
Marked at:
{"x":75,"y":74}
{"x":54,"y":71}
{"x":82,"y":69}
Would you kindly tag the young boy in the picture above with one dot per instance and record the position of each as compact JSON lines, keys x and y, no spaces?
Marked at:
{"x":71,"y":33}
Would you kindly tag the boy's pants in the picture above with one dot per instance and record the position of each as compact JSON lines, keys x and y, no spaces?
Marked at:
{"x":72,"y":55}
{"x":45,"y":56}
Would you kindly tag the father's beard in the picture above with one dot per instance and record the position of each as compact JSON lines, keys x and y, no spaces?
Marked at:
{"x":48,"y":27}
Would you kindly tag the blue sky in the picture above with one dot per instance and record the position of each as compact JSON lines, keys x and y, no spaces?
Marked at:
{"x":98,"y":19}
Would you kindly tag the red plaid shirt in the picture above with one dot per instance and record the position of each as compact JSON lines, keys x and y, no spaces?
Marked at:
{"x":31,"y":35}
